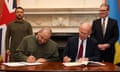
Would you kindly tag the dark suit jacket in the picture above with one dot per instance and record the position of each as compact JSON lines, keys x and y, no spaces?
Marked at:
{"x":91,"y":49}
{"x":110,"y":37}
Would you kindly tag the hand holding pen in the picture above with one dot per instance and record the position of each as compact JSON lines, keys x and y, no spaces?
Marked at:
{"x":31,"y":58}
{"x":66,"y":59}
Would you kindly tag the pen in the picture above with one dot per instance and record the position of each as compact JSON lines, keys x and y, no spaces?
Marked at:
{"x":31,"y":53}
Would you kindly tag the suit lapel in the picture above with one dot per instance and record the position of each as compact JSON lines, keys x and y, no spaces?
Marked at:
{"x":100,"y":27}
{"x":75,"y":43}
{"x":87,"y":48}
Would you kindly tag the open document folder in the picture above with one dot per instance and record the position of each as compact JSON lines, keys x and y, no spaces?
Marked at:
{"x":21,"y":63}
{"x":82,"y":63}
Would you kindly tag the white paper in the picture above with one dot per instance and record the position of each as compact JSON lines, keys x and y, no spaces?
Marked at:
{"x":75,"y":63}
{"x":20,"y":63}
{"x":82,"y":63}
{"x":96,"y":63}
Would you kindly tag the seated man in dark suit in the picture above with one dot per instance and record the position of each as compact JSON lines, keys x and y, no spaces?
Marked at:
{"x":82,"y":48}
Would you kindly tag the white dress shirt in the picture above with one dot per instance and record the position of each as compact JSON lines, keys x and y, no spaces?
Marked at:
{"x":106,"y":22}
{"x":84,"y":48}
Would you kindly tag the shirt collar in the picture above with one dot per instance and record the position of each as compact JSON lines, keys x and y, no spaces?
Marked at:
{"x":16,"y":21}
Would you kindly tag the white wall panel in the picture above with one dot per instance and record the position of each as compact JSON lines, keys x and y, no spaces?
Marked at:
{"x":60,"y":3}
{"x":63,"y":16}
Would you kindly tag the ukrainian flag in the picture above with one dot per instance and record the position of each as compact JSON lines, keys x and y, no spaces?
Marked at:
{"x":115,"y":13}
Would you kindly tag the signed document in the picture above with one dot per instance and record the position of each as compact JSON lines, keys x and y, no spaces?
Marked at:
{"x":20,"y":63}
{"x":83,"y":63}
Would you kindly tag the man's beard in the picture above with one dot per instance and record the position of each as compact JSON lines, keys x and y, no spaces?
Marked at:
{"x":19,"y":17}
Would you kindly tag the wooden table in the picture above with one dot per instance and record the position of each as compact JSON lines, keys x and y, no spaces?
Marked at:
{"x":58,"y":66}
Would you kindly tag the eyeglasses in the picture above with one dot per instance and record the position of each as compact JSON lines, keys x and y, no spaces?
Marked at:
{"x":103,"y":10}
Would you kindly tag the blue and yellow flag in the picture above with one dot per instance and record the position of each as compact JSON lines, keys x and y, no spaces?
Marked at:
{"x":115,"y":13}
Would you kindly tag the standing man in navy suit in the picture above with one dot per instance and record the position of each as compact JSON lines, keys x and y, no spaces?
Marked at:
{"x":106,"y":37}
{"x":90,"y":50}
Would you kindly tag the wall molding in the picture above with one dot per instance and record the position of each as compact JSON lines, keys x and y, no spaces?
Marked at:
{"x":61,"y":10}
{"x":60,"y":19}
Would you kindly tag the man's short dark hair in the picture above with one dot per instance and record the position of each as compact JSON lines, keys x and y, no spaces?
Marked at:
{"x":19,"y":8}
